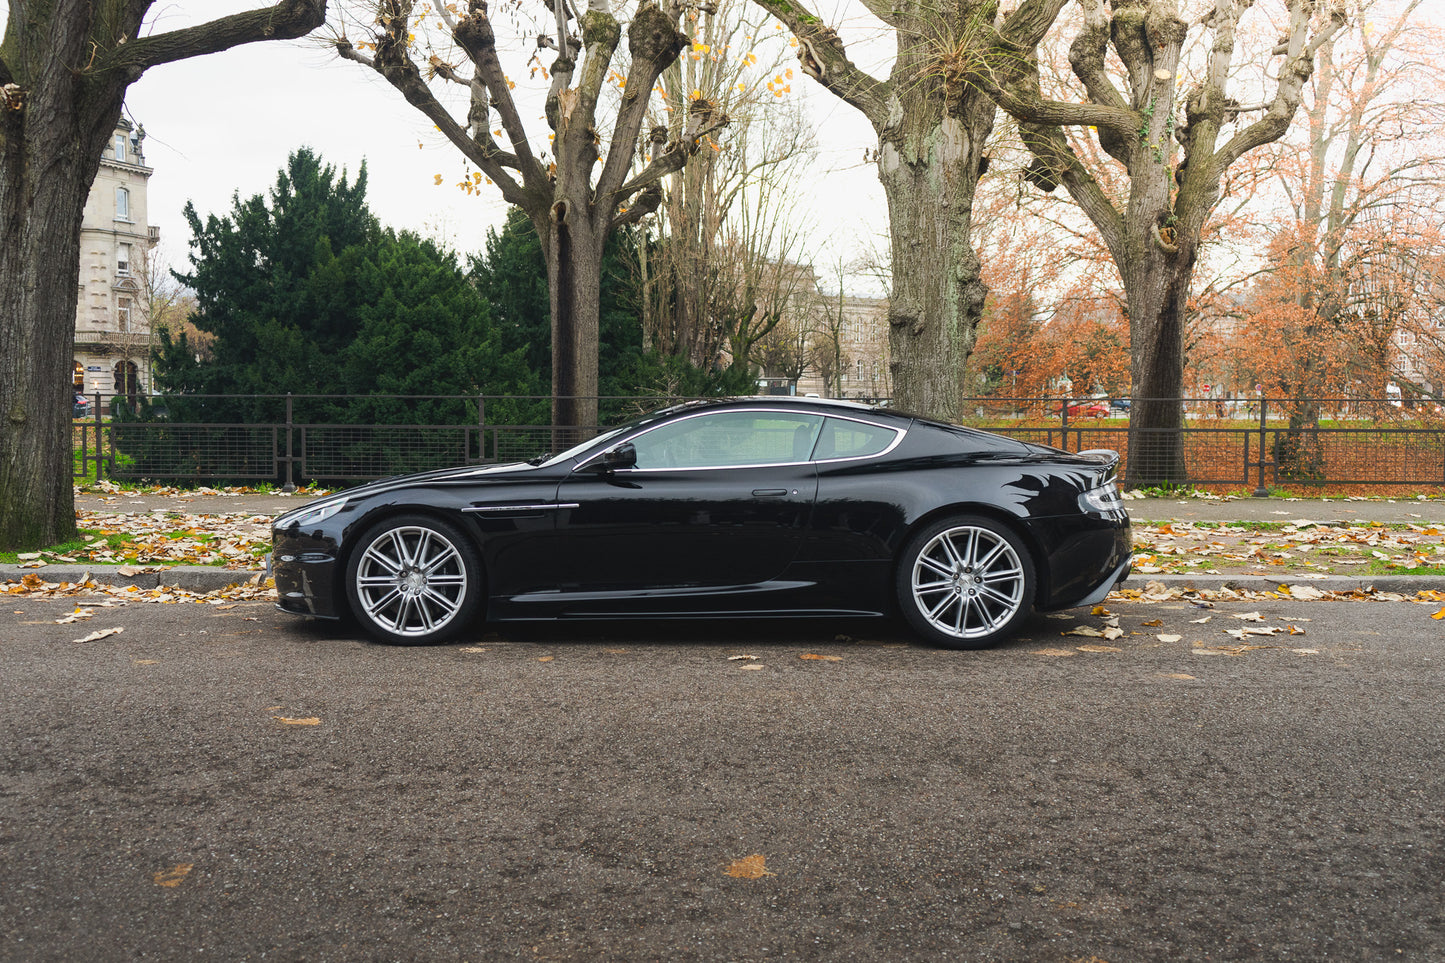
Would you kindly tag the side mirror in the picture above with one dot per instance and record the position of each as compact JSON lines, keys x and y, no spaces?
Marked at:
{"x":615,"y":459}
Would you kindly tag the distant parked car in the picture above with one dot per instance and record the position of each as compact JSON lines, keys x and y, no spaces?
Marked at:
{"x":79,"y":406}
{"x":1089,"y":409}
{"x":1120,"y":404}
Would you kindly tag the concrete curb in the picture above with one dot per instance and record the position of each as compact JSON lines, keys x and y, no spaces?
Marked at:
{"x":1401,"y":584}
{"x":192,"y":578}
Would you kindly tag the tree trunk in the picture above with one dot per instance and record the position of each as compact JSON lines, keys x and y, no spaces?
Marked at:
{"x":929,"y":176}
{"x":574,"y":277}
{"x":39,"y":277}
{"x":1156,"y":288}
{"x":49,"y":154}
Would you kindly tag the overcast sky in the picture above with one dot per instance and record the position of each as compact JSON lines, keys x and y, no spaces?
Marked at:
{"x":225,"y":123}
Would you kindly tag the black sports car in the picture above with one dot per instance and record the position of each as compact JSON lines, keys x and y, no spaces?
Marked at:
{"x":744,"y":507}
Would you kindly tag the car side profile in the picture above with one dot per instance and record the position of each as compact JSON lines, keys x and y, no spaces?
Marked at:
{"x":751,"y":508}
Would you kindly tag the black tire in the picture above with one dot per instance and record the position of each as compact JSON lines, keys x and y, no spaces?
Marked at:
{"x":413,"y":580}
{"x":965,"y":582}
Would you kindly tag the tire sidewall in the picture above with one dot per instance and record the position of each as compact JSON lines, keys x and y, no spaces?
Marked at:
{"x":471,"y":598}
{"x":903,"y":582}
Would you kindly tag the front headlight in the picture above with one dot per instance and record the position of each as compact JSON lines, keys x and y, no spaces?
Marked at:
{"x":313,"y":514}
{"x":1101,"y":501}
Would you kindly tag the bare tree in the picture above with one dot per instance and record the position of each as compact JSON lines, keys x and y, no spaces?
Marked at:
{"x":65,"y":67}
{"x":574,"y":205}
{"x":736,"y":198}
{"x":1173,"y":144}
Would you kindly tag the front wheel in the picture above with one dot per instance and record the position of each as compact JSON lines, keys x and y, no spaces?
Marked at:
{"x":413,"y":580}
{"x":965,"y":582}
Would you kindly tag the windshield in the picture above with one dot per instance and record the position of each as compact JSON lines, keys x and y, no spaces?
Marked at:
{"x":602,"y":441}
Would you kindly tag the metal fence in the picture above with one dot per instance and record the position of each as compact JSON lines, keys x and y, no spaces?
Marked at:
{"x":292,"y":439}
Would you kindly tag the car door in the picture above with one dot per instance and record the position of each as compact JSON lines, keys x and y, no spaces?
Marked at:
{"x":715,"y":502}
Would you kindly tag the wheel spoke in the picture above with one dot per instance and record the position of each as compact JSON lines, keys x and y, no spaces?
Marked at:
{"x":968,"y":582}
{"x":411,"y":580}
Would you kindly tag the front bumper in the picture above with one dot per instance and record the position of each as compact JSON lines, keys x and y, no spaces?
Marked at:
{"x":307,"y":573}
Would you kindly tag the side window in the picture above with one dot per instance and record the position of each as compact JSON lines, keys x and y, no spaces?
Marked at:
{"x":730,"y":439}
{"x":852,"y":439}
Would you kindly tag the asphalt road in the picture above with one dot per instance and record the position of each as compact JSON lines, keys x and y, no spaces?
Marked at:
{"x":235,"y":784}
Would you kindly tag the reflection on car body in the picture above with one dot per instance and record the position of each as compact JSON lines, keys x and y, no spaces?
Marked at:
{"x":729,"y":508}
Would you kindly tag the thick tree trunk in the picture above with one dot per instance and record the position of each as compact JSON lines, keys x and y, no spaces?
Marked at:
{"x":1158,"y":296}
{"x":929,"y":165}
{"x":49,"y":154}
{"x":574,"y":277}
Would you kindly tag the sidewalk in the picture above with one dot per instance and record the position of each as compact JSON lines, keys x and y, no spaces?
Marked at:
{"x":1245,"y":511}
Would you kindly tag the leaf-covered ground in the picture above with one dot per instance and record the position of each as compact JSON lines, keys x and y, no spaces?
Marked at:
{"x":1299,"y":549}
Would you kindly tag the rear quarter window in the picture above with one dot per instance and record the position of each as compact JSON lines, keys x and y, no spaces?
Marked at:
{"x":852,"y":439}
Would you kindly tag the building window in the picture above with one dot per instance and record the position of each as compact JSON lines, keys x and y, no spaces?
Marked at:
{"x":120,"y":147}
{"x":127,"y":378}
{"x":122,"y":204}
{"x":122,"y":314}
{"x":122,"y":260}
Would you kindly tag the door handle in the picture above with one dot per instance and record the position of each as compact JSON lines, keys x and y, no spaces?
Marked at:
{"x":769,"y":492}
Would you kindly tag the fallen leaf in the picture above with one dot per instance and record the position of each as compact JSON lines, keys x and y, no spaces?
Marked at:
{"x":546,"y":658}
{"x":308,"y":721}
{"x":100,"y":634}
{"x":173,"y":877}
{"x":1087,"y":631}
{"x":1439,"y":615}
{"x":1249,"y":616}
{"x":1178,"y":675}
{"x":1169,"y":638}
{"x":1058,"y":652}
{"x":749,"y":867}
{"x":1153,"y":622}
{"x":1099,"y":648}
{"x":752,"y":665}
{"x":1305,"y":651}
{"x":743,"y":658}
{"x":471,"y":648}
{"x":79,"y":615}
{"x":1200,"y":621}
{"x":822,"y":658}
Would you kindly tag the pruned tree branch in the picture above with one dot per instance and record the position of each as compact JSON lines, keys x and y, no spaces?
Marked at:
{"x":286,"y":20}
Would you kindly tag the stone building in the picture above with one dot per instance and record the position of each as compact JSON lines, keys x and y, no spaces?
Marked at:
{"x":112,"y":324}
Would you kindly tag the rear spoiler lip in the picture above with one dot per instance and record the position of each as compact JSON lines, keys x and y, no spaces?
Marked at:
{"x":1107,"y":459}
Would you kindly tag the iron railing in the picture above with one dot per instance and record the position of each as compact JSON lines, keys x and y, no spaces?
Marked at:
{"x":289,"y":439}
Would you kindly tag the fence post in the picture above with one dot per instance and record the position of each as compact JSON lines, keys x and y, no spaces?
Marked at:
{"x":1064,"y":431}
{"x":99,"y":461}
{"x":290,"y":485}
{"x":1260,"y":491}
{"x":481,"y":428}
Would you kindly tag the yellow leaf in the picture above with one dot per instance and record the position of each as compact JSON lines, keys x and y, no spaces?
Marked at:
{"x":309,"y":721}
{"x":545,"y":658}
{"x":1439,"y":615}
{"x":822,"y":658}
{"x":749,"y":867}
{"x":438,"y":180}
{"x":171,"y":878}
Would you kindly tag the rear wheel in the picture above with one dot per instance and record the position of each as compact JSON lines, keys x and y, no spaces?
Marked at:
{"x":965,"y":582}
{"x":413,"y":580}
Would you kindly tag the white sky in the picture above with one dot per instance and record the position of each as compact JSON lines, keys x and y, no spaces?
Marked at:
{"x":225,"y":123}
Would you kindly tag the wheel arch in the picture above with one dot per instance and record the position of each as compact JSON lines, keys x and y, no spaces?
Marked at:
{"x":385,"y":512}
{"x":1010,"y":521}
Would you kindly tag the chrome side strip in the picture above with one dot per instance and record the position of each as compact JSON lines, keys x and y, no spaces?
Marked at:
{"x":521,"y":508}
